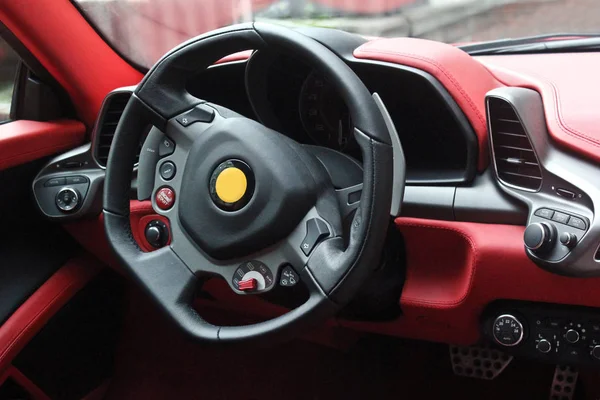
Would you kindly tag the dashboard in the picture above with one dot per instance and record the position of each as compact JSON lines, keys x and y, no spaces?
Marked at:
{"x":285,"y":95}
{"x":497,"y":194}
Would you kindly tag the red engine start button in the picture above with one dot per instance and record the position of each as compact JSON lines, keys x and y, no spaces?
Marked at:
{"x":165,"y":198}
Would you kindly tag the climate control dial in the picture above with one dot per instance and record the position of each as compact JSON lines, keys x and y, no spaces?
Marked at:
{"x":596,"y":352}
{"x":543,"y":346}
{"x":572,"y":336}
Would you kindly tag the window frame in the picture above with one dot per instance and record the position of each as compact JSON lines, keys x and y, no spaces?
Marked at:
{"x":30,"y":72}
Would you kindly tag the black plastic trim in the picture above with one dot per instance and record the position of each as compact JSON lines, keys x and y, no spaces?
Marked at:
{"x":448,"y":178}
{"x":484,"y":202}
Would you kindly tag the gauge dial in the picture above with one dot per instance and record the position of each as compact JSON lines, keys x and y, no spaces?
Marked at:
{"x":324,"y":115}
{"x":508,"y":330}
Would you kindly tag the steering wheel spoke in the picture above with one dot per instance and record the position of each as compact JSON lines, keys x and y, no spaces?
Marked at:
{"x":349,"y":199}
{"x":161,"y":153}
{"x":264,"y":267}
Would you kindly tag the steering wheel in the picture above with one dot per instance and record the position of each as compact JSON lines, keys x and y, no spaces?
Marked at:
{"x":245,"y":202}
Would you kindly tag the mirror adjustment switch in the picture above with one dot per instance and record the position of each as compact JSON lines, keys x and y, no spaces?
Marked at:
{"x":316,"y":230}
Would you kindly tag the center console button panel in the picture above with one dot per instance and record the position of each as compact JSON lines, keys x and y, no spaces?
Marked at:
{"x":63,"y":195}
{"x":552,"y":333}
{"x":562,"y":218}
{"x":559,"y":188}
{"x":552,"y":234}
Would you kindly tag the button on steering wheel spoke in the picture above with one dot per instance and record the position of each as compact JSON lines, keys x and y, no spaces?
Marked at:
{"x":349,"y":199}
{"x":185,"y":133}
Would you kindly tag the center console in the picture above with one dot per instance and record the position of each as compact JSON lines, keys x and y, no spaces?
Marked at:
{"x":559,"y":188}
{"x":550,"y":333}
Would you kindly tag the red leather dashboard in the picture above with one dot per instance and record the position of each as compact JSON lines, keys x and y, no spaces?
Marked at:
{"x":570,"y":90}
{"x":454,"y":268}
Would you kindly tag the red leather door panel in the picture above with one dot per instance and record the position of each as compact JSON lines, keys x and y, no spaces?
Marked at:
{"x":24,"y":141}
{"x":32,"y":315}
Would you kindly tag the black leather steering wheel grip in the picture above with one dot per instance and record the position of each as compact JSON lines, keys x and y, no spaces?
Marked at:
{"x":290,"y":187}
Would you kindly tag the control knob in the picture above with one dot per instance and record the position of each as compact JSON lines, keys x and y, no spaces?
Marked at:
{"x":67,"y":199}
{"x":596,"y":352}
{"x":543,"y":346}
{"x":539,"y":237}
{"x":572,"y":336}
{"x":157,"y":233}
{"x":568,"y":239}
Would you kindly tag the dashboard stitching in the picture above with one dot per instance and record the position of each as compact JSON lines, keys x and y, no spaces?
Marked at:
{"x":566,"y":128}
{"x":442,"y":69}
{"x":473,"y":263}
{"x":557,"y":114}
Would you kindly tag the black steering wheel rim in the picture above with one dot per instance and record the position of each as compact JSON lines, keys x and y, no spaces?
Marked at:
{"x":335,"y":270}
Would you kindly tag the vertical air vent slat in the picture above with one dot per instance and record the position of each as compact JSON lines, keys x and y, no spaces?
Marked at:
{"x":516,"y":162}
{"x":109,"y":118}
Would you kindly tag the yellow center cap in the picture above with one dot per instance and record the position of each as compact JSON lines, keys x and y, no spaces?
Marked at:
{"x":231,"y":185}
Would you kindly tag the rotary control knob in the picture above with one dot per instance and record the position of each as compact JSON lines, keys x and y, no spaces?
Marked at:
{"x":568,"y":239}
{"x":539,"y":237}
{"x":67,"y":199}
{"x":596,"y":352}
{"x":572,"y":336}
{"x":157,"y":233}
{"x":543,"y":346}
{"x":507,"y":330}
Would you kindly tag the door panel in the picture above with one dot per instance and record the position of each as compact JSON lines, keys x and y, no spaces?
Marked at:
{"x":24,"y":141}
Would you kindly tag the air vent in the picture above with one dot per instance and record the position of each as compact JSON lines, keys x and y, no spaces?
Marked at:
{"x":516,"y":162}
{"x":109,"y":118}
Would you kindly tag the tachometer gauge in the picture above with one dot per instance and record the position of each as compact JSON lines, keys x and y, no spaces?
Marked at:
{"x":324,"y":115}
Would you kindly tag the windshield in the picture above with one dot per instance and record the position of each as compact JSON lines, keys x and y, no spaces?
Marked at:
{"x":144,"y":30}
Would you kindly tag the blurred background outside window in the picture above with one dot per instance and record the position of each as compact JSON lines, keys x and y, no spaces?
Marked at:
{"x":8,"y":69}
{"x":143,"y":30}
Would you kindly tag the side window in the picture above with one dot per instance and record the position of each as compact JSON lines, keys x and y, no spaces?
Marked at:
{"x":8,"y":69}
